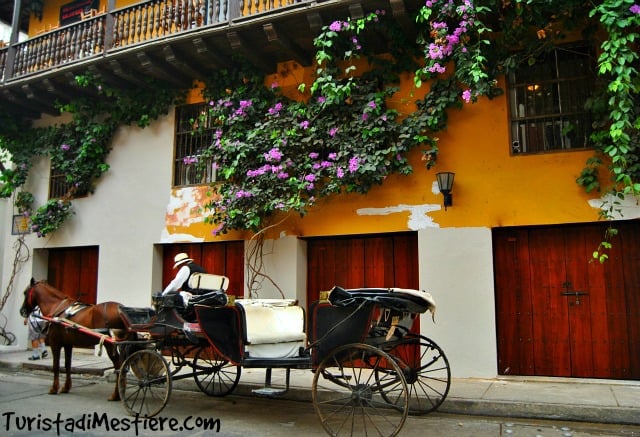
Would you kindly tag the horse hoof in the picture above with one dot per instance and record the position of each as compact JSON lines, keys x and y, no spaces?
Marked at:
{"x":64,"y":390}
{"x":114,"y":397}
{"x":53,"y":392}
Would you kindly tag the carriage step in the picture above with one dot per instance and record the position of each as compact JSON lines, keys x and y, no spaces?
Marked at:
{"x":269,"y":392}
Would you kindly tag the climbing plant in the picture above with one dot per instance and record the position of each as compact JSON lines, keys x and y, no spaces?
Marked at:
{"x":279,"y":155}
{"x":78,"y":149}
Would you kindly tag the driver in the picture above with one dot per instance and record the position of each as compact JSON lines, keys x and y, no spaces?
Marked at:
{"x":181,"y":280}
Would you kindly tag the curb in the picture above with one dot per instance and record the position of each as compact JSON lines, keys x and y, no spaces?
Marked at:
{"x":577,"y":413}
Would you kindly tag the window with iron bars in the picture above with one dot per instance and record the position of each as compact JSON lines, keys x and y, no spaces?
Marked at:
{"x":547,"y":101}
{"x":194,"y":134}
{"x":60,"y":188}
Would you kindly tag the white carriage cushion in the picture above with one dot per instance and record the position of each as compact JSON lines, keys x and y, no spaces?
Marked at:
{"x":289,"y":349}
{"x":267,"y":323}
{"x":207,"y":281}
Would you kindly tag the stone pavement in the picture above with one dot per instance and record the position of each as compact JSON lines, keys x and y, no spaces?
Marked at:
{"x":571,"y":399}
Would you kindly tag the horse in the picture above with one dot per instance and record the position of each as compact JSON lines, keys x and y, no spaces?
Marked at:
{"x":54,"y":303}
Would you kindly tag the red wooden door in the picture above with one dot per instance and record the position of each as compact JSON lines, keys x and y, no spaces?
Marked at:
{"x":74,"y":271}
{"x":558,"y":313}
{"x":223,"y":258}
{"x":362,"y":261}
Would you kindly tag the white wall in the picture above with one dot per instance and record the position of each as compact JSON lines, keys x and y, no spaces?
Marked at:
{"x":456,"y":267}
{"x":285,"y":261}
{"x":124,"y":217}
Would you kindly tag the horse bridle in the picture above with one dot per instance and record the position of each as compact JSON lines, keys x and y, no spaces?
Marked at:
{"x":29,"y":306}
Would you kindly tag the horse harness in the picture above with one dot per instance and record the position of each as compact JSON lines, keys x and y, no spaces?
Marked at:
{"x":71,"y":309}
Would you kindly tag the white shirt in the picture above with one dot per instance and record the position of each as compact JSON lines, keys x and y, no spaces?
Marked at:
{"x":181,"y":277}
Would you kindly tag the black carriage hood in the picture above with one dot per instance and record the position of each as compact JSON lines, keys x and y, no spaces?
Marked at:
{"x":400,"y":299}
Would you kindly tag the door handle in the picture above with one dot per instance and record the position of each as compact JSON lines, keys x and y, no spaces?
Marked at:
{"x":574,"y":293}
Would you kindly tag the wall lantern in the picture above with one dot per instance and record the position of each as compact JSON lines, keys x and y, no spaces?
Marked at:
{"x":445,"y":184}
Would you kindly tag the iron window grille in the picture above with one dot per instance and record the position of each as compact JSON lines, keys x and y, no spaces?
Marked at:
{"x":194,"y":134}
{"x":60,"y":187}
{"x":547,"y":101}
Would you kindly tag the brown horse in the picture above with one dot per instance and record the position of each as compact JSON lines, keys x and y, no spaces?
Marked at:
{"x":103,"y":316}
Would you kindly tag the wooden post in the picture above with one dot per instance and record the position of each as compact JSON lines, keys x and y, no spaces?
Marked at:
{"x":108,"y":23}
{"x":13,"y":39}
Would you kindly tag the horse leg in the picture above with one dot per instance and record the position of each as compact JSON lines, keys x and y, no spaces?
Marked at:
{"x":55,"y":354}
{"x":67,"y":367}
{"x":115,"y":357}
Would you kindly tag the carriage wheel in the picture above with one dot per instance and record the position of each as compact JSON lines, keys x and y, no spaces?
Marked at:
{"x":214,"y":375}
{"x":348,"y":397}
{"x":426,"y":370}
{"x":144,"y":383}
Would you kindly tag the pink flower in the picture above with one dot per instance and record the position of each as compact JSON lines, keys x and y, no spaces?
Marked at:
{"x":275,"y":109}
{"x":273,"y":155}
{"x":466,"y":95}
{"x":354,"y":164}
{"x":335,"y":26}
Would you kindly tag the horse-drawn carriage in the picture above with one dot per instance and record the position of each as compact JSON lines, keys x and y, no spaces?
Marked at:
{"x":369,"y":370}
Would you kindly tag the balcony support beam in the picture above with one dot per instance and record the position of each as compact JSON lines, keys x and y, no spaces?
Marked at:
{"x":209,"y":53}
{"x":163,"y":71}
{"x":294,"y":50}
{"x":315,"y":22}
{"x":45,"y":104}
{"x":117,"y":68}
{"x":238,"y":43}
{"x":63,"y":92}
{"x":180,"y":62}
{"x":19,"y":104}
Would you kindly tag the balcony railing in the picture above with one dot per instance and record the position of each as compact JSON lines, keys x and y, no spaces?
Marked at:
{"x":126,"y":27}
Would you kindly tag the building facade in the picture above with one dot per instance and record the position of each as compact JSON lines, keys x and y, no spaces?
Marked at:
{"x":508,"y":263}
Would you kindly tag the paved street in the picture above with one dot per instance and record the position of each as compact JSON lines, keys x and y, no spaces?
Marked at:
{"x":27,"y":410}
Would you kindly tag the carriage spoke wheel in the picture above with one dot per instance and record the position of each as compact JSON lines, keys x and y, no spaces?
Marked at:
{"x":144,"y":383}
{"x":214,"y":375}
{"x":426,"y":370}
{"x":348,"y":397}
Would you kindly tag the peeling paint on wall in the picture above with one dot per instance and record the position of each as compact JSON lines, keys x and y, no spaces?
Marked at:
{"x":168,"y":237}
{"x":435,"y":189}
{"x":418,"y":214}
{"x":623,"y":209}
{"x":186,"y":206}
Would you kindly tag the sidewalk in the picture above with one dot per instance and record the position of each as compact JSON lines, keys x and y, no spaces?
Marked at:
{"x":591,"y":400}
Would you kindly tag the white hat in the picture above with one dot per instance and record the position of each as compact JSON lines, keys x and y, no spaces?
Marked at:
{"x":180,"y":259}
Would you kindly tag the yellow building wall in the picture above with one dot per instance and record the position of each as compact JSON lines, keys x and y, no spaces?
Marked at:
{"x":51,"y":14}
{"x":492,"y":188}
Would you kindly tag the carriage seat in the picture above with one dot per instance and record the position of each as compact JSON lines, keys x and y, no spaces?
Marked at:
{"x":203,"y":283}
{"x":274,"y":328}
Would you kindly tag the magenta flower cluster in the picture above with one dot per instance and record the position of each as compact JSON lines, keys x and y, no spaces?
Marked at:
{"x":446,"y":43}
{"x":284,"y":154}
{"x":188,"y":160}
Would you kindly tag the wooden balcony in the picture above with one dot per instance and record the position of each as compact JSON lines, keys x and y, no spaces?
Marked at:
{"x":176,"y":41}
